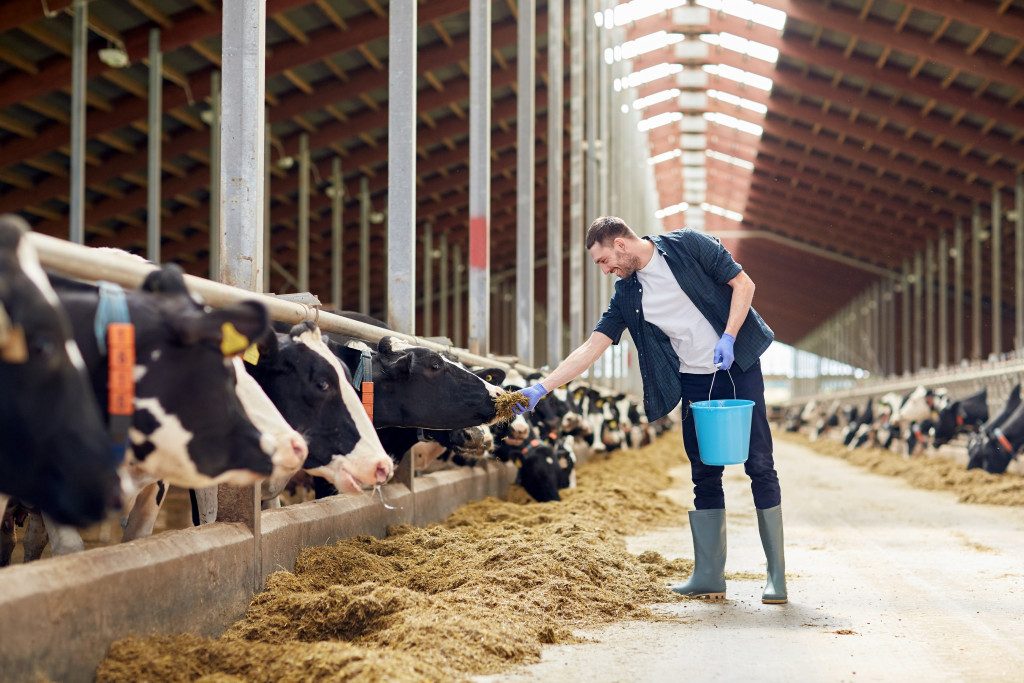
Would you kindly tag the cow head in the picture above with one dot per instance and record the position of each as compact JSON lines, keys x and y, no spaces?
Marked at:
{"x":417,"y":387}
{"x":310,"y":387}
{"x":54,"y":450}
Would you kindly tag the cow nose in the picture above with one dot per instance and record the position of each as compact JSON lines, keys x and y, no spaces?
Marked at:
{"x":383,"y":473}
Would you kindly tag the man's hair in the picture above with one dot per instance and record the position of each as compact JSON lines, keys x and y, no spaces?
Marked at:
{"x":607,"y":228}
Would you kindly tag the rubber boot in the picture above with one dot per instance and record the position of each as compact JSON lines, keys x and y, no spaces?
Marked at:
{"x":708,"y":579}
{"x":769,"y":524}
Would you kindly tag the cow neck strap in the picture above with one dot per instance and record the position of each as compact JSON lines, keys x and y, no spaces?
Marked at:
{"x":1003,"y":441}
{"x":115,"y":336}
{"x":363,"y":381}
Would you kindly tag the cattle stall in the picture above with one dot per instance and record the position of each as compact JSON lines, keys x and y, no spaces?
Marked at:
{"x":202,"y":579}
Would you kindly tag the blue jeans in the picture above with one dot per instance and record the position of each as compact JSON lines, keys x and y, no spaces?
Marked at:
{"x":760,"y":467}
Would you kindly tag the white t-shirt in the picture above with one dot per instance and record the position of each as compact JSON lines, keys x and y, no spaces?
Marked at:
{"x":667,"y":306}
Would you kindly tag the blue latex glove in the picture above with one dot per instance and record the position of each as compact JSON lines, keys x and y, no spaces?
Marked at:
{"x":723,"y":352}
{"x":534,"y":393}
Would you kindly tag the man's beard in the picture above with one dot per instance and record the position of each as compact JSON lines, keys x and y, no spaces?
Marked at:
{"x":629,"y":265}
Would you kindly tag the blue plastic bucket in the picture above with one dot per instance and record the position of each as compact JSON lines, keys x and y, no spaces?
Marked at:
{"x":723,"y":430}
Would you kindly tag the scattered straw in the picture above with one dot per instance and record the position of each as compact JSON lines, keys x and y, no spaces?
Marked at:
{"x":474,"y":595}
{"x":505,"y":402}
{"x":936,"y":473}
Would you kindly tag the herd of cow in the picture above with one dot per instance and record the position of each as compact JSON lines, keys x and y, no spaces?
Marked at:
{"x":109,"y":396}
{"x":922,"y":418}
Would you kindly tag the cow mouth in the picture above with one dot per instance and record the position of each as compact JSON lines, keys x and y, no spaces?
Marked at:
{"x":345,"y":481}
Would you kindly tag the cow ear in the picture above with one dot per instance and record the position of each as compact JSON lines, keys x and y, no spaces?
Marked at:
{"x":233,"y":328}
{"x":385,"y":346}
{"x":268,"y":348}
{"x":169,"y":279}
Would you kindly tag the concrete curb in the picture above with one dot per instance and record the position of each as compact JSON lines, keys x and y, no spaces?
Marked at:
{"x":58,"y":616}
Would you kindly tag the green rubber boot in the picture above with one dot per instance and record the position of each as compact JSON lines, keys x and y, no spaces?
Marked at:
{"x":769,"y":523}
{"x":708,"y":579}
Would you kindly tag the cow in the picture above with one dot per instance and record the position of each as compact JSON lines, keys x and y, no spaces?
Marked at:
{"x":312,"y":389}
{"x":977,"y":450}
{"x":54,"y":449}
{"x":965,"y":415}
{"x":1001,"y":445}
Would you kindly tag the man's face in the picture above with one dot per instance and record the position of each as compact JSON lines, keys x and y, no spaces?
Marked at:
{"x":614,"y":258}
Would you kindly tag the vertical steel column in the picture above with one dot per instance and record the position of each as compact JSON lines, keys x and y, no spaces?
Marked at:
{"x":877,"y":326}
{"x":575,"y":173}
{"x":302,"y":268}
{"x":443,"y":292}
{"x":905,"y":307}
{"x":241,"y":143}
{"x":79,"y":65}
{"x":526,"y":209}
{"x":890,"y":339}
{"x":593,"y":273}
{"x":401,"y":226}
{"x":428,"y":279}
{"x":337,"y":233}
{"x":215,"y":223}
{"x":457,"y":294}
{"x":155,"y":140}
{"x":997,"y":272}
{"x":929,"y":305}
{"x":976,"y":352}
{"x":364,"y":245}
{"x":918,"y":311}
{"x":268,"y":249}
{"x":943,"y":266}
{"x":1018,"y":209}
{"x":479,"y":175}
{"x":958,"y":292}
{"x":243,"y":46}
{"x":556,"y":126}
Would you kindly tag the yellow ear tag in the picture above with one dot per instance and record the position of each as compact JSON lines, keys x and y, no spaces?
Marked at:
{"x":232,"y":341}
{"x":251,"y":355}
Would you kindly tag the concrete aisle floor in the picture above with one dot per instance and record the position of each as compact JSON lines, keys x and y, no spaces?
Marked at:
{"x":886,"y":583}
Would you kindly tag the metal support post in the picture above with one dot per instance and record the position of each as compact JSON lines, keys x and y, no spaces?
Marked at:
{"x":1018,"y":255}
{"x":525,"y":182}
{"x":556,"y":20}
{"x":302,"y":267}
{"x":905,"y":307}
{"x":479,"y":175}
{"x":213,"y":269}
{"x":958,"y":292}
{"x":337,"y":233}
{"x":268,"y":250}
{"x":364,"y":245}
{"x":401,"y":225}
{"x":976,"y":350}
{"x":154,"y":134}
{"x":457,"y":336}
{"x":943,"y":322}
{"x":929,"y":305}
{"x":575,"y":173}
{"x":997,"y":272}
{"x":918,"y":311}
{"x":593,"y":273}
{"x":445,"y":295}
{"x":79,"y":46}
{"x":428,"y":279}
{"x":241,"y":246}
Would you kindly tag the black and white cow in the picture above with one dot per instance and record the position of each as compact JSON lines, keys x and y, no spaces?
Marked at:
{"x":995,"y":457}
{"x":313,"y":391}
{"x":54,"y":451}
{"x":964,"y":415}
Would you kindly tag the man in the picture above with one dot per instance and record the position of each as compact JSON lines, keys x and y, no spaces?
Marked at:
{"x":686,"y":303}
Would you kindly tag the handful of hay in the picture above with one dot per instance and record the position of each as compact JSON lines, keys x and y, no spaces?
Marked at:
{"x":504,"y":404}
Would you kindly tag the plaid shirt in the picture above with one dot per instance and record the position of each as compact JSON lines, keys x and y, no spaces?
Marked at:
{"x":703,"y":268}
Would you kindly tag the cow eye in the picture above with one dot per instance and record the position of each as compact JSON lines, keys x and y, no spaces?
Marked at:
{"x":42,"y":345}
{"x":435,"y":366}
{"x":323,"y":385}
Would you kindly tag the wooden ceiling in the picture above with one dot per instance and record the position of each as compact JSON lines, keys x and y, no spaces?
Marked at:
{"x":886,"y":122}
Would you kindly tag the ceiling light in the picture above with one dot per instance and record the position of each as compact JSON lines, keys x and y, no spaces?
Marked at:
{"x":114,"y":57}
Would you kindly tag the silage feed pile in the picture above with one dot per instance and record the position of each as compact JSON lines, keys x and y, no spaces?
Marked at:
{"x":477,"y":594}
{"x":936,"y":473}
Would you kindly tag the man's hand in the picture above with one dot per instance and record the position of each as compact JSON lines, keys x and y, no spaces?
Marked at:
{"x":534,"y":393}
{"x":723,"y":351}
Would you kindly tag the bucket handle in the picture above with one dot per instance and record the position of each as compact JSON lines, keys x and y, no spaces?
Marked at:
{"x":719,"y":365}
